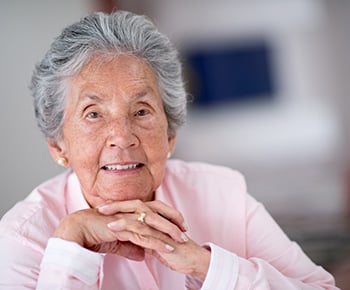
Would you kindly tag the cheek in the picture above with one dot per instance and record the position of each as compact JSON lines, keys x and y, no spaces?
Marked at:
{"x":157,"y":152}
{"x":158,"y":140}
{"x":83,"y":149}
{"x":82,"y":158}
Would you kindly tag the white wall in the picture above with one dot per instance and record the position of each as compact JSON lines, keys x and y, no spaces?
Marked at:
{"x":288,"y":151}
{"x":27,"y":29}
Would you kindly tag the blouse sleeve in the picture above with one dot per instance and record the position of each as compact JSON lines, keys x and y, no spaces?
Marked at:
{"x":66,"y":265}
{"x":19,"y":265}
{"x":272,"y":261}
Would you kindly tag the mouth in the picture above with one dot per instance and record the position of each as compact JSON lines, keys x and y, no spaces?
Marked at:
{"x":121,"y":167}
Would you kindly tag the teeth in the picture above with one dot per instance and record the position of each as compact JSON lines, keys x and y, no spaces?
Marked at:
{"x":120,"y":167}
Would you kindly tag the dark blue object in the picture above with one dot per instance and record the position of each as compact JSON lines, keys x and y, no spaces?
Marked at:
{"x":231,"y":74}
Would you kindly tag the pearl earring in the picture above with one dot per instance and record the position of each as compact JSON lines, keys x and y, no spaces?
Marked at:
{"x":62,"y":161}
{"x":169,"y":155}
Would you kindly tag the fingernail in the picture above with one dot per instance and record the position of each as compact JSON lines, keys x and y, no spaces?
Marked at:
{"x":102,"y":207}
{"x":184,"y":237}
{"x":169,"y":248}
{"x":184,"y":225}
{"x":116,"y":225}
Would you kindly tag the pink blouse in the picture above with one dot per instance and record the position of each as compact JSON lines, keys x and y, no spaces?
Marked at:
{"x":248,"y":248}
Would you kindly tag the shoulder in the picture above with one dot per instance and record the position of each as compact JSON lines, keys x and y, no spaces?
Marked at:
{"x":33,"y":219}
{"x":197,"y":178}
{"x":204,"y":172}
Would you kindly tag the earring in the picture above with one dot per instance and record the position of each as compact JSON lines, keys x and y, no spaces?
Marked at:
{"x":62,"y":161}
{"x":169,"y":155}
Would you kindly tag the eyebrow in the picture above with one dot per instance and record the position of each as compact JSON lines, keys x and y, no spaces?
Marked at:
{"x":140,"y":94}
{"x":93,"y":97}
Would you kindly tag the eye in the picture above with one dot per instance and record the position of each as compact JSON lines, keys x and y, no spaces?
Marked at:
{"x":92,"y":115}
{"x":142,"y":112}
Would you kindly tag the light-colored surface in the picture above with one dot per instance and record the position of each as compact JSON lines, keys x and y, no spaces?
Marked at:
{"x":297,"y":138}
{"x":289,"y":156}
{"x":27,"y":28}
{"x":238,"y":231}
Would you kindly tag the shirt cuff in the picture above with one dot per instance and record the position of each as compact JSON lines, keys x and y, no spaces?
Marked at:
{"x":79,"y":262}
{"x":222,"y":273}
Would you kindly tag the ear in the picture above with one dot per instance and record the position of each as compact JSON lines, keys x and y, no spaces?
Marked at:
{"x":56,"y":150}
{"x":172,"y":143}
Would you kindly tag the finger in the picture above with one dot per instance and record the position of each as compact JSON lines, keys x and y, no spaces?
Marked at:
{"x":145,"y":241}
{"x":169,"y":213}
{"x":159,"y":207}
{"x":150,"y":224}
{"x":125,"y":249}
{"x":164,"y":218}
{"x":126,"y":206}
{"x":164,"y":225}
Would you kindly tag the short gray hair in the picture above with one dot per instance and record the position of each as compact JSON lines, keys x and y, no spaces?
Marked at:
{"x":118,"y":33}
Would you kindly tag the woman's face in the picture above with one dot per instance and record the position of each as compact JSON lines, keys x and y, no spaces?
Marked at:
{"x":115,"y":130}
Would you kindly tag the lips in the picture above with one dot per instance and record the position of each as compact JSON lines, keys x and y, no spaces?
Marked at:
{"x":120,"y":167}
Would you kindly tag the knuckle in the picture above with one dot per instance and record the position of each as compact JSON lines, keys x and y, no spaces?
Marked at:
{"x":140,"y":239}
{"x":157,"y":202}
{"x":179,"y":216}
{"x":151,"y":216}
{"x":138,"y":227}
{"x":122,"y":237}
{"x":139,"y":203}
{"x":122,"y":222}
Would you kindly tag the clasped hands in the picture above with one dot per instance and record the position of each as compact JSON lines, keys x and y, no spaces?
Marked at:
{"x":131,"y":228}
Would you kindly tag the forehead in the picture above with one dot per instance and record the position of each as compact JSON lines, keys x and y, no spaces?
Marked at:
{"x":123,"y":69}
{"x":124,"y":77}
{"x":100,"y":60}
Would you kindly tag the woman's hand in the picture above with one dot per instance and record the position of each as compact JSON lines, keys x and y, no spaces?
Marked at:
{"x":115,"y":228}
{"x":188,"y":258}
{"x":185,"y":256}
{"x":89,"y":229}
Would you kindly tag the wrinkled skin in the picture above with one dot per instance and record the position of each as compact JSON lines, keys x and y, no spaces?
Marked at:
{"x":115,"y":138}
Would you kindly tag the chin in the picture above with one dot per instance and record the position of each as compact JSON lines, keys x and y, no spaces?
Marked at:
{"x":129,"y":195}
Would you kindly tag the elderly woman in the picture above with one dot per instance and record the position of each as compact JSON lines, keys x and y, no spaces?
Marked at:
{"x":109,"y":99}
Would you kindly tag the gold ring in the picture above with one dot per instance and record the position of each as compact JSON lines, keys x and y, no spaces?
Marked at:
{"x":141,"y":217}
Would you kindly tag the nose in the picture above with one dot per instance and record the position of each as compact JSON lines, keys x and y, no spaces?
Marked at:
{"x":122,"y":135}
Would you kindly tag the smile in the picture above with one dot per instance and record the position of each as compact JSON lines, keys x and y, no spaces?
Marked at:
{"x":122,"y":167}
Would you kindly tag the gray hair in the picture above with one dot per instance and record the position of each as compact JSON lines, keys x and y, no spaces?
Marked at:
{"x":118,"y":33}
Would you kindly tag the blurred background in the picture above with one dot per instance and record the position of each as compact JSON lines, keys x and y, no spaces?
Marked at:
{"x":269,"y":95}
